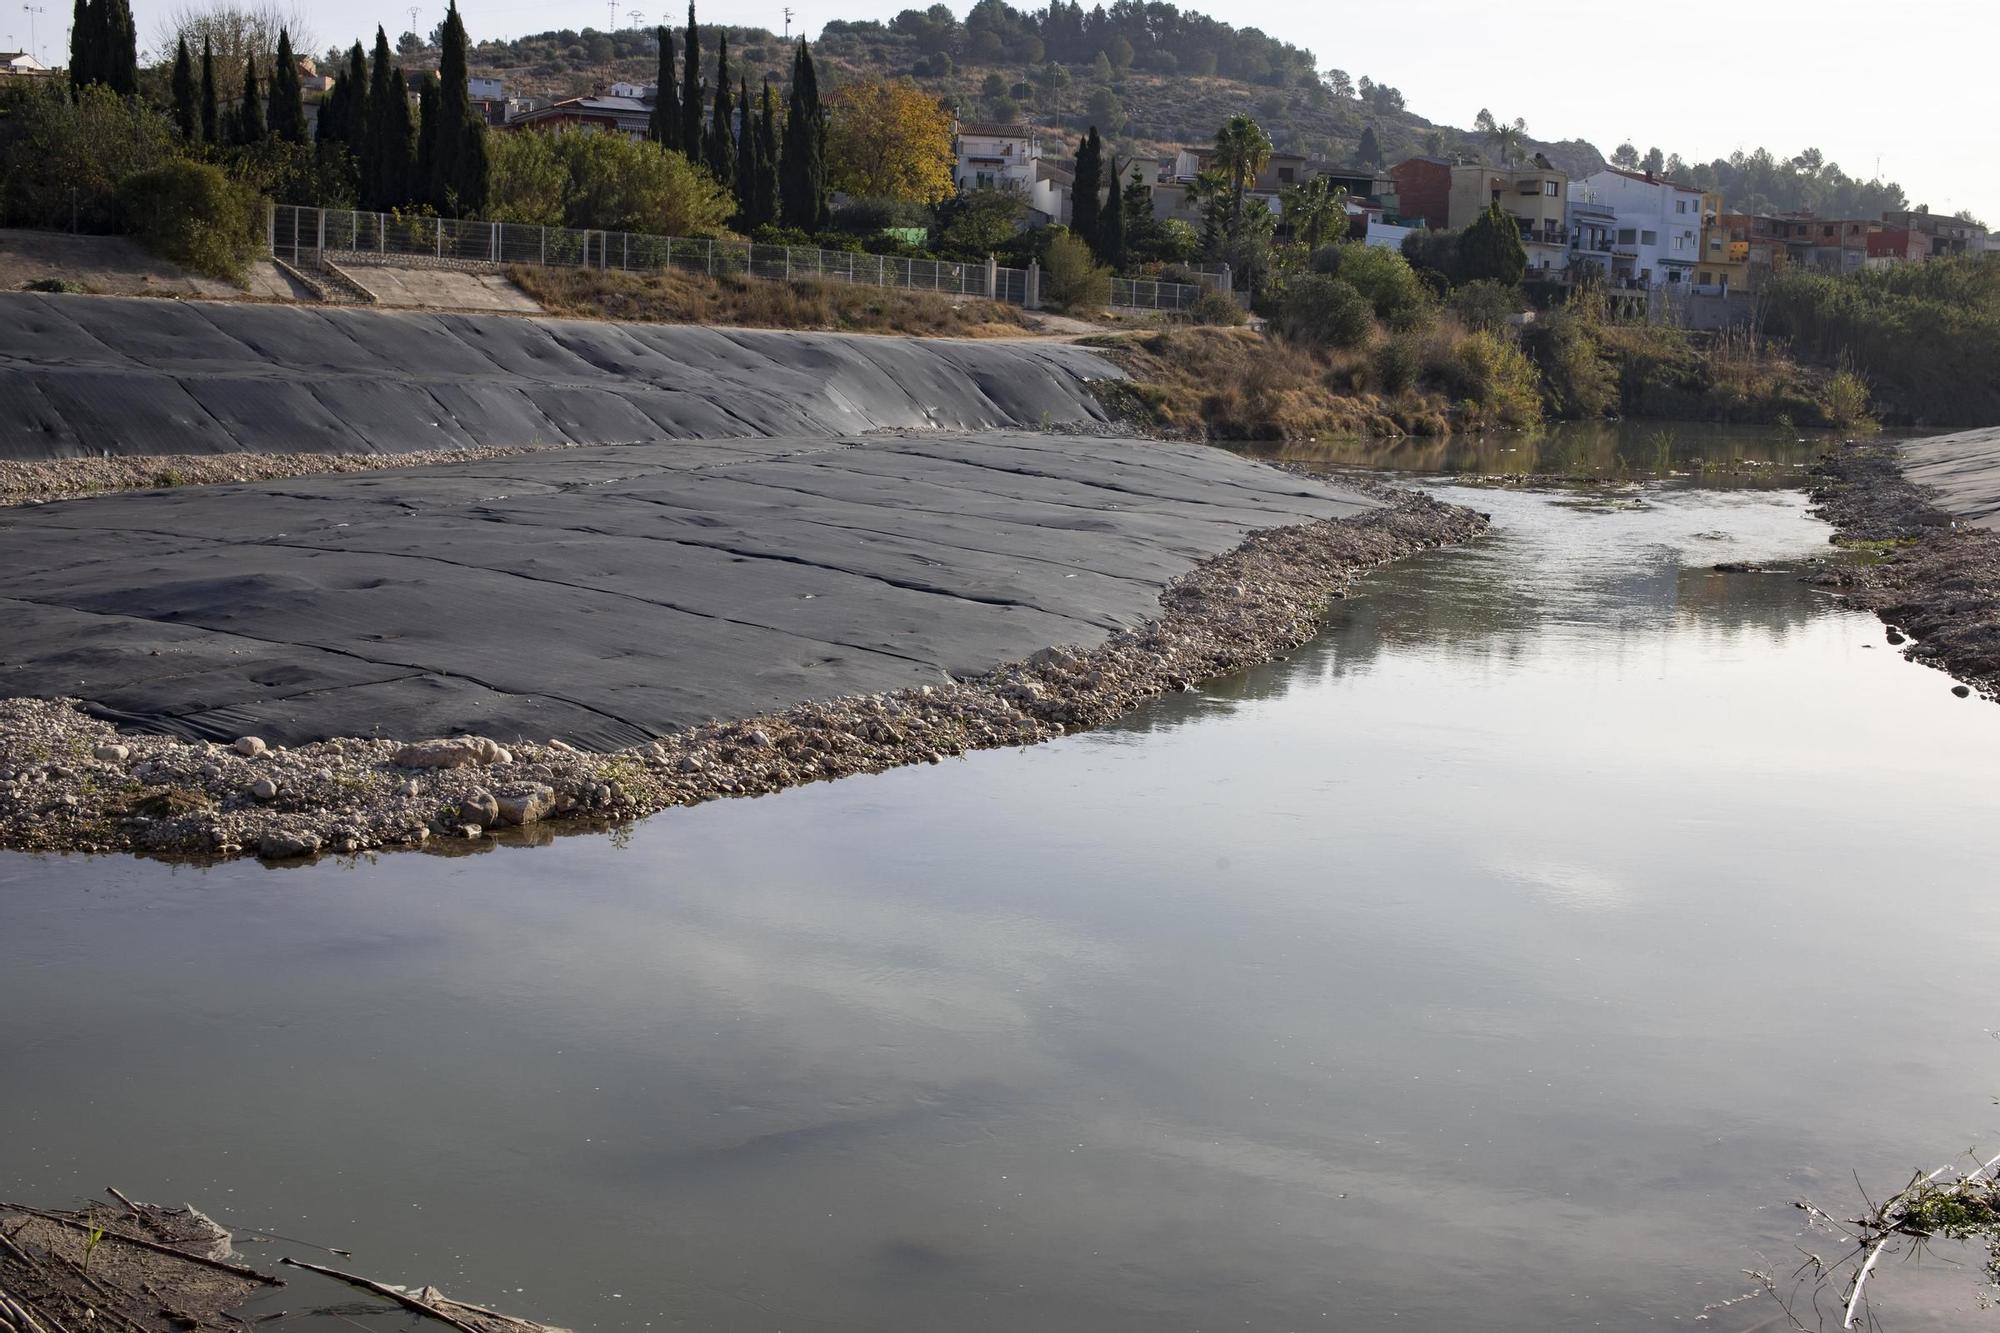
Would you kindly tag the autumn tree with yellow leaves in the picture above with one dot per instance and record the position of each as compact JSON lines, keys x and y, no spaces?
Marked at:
{"x":889,"y":140}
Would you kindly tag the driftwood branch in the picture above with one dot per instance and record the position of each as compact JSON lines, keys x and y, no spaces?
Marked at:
{"x":402,"y":1298}
{"x":131,"y":1207}
{"x":247,"y":1274}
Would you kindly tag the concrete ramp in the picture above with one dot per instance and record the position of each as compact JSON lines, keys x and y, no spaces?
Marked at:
{"x":1965,"y":471}
{"x":85,"y":376}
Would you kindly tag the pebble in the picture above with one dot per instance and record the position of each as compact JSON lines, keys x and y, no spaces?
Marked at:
{"x":248,"y":746}
{"x":264,"y":789}
{"x":112,"y":754}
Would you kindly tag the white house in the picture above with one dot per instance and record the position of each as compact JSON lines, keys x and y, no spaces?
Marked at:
{"x":1655,"y":232}
{"x":485,"y":90}
{"x":1009,"y":157}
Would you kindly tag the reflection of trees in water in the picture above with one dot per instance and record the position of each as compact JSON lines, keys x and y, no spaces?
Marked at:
{"x":1466,"y":603}
{"x":1725,"y":456}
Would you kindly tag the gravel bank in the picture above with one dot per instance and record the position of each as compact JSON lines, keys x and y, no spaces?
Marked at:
{"x":69,"y":782}
{"x":79,"y":478}
{"x":1934,"y":580}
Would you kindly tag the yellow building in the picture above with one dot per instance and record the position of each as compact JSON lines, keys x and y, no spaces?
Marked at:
{"x":1725,"y":248}
{"x":1535,"y":195}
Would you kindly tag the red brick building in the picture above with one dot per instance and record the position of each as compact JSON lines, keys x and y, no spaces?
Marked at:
{"x":1423,"y":191}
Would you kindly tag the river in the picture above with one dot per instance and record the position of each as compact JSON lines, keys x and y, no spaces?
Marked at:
{"x":1510,"y":957}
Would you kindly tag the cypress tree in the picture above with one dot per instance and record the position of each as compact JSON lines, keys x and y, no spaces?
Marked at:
{"x":288,"y":108}
{"x":666,"y":123}
{"x":119,"y":53}
{"x":332,"y":127}
{"x":1111,"y":227}
{"x":746,"y":157}
{"x":1085,"y":212}
{"x":250,"y":115}
{"x":430,"y":173}
{"x":83,"y":61}
{"x":456,"y":182}
{"x":691,"y":143}
{"x":1369,"y":151}
{"x":720,"y":146}
{"x":802,"y":169}
{"x":187,"y":115}
{"x":386,"y":151}
{"x":355,"y":133}
{"x":211,"y":102}
{"x":764,"y":201}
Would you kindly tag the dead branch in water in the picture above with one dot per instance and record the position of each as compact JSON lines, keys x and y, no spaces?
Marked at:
{"x":235,"y":1270}
{"x":402,"y":1298}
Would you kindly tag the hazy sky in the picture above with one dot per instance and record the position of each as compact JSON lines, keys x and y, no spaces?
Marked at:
{"x":1912,"y":87}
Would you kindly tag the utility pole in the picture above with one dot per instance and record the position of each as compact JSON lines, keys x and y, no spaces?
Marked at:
{"x":788,"y":23}
{"x":614,"y":16}
{"x":34,"y":48}
{"x":633,"y":16}
{"x":413,"y":23}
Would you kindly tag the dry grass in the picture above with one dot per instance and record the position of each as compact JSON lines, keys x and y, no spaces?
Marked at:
{"x":693,"y":298}
{"x":1237,"y":384}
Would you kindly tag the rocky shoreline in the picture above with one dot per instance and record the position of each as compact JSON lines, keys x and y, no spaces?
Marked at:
{"x":71,"y":783}
{"x":1936,"y":583}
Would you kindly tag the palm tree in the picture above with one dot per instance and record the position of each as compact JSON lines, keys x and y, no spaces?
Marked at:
{"x":1242,"y":149}
{"x":1314,"y":209}
{"x":1209,"y":189}
{"x":1510,"y":141}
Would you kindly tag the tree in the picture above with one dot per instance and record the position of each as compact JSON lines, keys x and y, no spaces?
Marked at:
{"x":457,"y":180}
{"x":1242,"y":149}
{"x":1085,"y":217}
{"x":211,"y":100}
{"x":1653,"y":162}
{"x":665,"y":126}
{"x":1111,"y":227}
{"x":187,"y":113}
{"x":1434,"y":143}
{"x":288,"y":111}
{"x":250,"y":112}
{"x":745,"y":179}
{"x":603,"y":180}
{"x":764,"y":196}
{"x":1104,"y":109}
{"x":84,"y":60}
{"x":802,"y":179}
{"x":1369,"y":151}
{"x":387,"y":150}
{"x":409,"y":44}
{"x":103,"y":47}
{"x":429,"y":171}
{"x":1490,"y":247}
{"x":355,"y":134}
{"x":691,"y":143}
{"x":1508,"y":140}
{"x":719,"y":147}
{"x":1317,"y":211}
{"x":888,"y":141}
{"x":1339,"y":84}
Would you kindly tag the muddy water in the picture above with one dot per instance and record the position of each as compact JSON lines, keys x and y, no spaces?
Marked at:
{"x":1508,"y":958}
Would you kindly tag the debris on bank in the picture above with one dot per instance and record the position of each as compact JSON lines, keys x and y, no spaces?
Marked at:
{"x":141,"y":1268}
{"x":1935,"y":582}
{"x":71,"y":782}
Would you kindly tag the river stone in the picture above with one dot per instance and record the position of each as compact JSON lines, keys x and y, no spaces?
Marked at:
{"x":264,"y":789}
{"x":478,"y":807}
{"x":283,"y":844}
{"x":525,"y":805}
{"x":458,"y":752}
{"x":248,"y":746}
{"x":111,"y":754}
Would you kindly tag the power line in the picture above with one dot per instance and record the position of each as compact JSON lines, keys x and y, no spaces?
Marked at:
{"x":788,"y":23}
{"x":34,"y":47}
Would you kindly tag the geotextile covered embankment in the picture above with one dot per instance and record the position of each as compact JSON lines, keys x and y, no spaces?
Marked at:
{"x":93,"y":376}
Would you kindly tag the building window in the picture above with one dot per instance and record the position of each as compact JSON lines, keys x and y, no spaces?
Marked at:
{"x":1549,"y":189}
{"x":1706,"y":277}
{"x":1649,"y":238}
{"x":1680,"y":205}
{"x":1627,"y":236}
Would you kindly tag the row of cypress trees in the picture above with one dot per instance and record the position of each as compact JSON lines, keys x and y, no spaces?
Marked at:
{"x":277,"y":114}
{"x":436,"y":157}
{"x":104,"y":46}
{"x":778,"y":175}
{"x":1098,"y":223}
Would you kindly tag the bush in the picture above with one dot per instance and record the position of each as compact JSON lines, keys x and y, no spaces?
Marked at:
{"x":1216,"y":308}
{"x":1577,"y":381}
{"x":1383,"y":276}
{"x":1325,"y":311}
{"x":1484,"y":303}
{"x":62,"y":158}
{"x":191,"y":213}
{"x":1490,"y":377}
{"x":1072,"y":279}
{"x":1846,"y":399}
{"x":1398,"y":362}
{"x":606,"y":181}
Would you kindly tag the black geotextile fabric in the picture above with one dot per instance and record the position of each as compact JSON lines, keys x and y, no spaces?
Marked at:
{"x":609,"y":594}
{"x":89,"y":375}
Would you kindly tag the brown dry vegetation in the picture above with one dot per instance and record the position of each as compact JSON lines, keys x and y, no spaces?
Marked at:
{"x":1237,"y":384}
{"x":694,"y":298}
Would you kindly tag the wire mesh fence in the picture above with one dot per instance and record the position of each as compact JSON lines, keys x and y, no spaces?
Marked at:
{"x":303,"y":235}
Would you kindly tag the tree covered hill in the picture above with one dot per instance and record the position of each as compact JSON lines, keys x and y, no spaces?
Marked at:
{"x":1153,"y":77}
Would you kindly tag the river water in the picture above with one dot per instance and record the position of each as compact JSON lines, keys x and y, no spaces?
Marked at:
{"x":1508,"y":958}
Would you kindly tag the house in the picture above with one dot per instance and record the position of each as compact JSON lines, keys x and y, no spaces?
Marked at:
{"x":1896,"y":245}
{"x":316,"y":83}
{"x":1946,"y":235}
{"x":1725,"y":256}
{"x":1593,"y":235}
{"x":1659,"y":225}
{"x":19,"y":64}
{"x":487,"y":90}
{"x":991,"y":156}
{"x":590,"y":115}
{"x":1535,"y":195}
{"x":1421,"y":190}
{"x":638,"y":92}
{"x":1838,"y":245}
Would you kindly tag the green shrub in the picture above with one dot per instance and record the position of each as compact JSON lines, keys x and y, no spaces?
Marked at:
{"x":607,"y":181}
{"x":1384,"y":277}
{"x":1484,"y":303}
{"x":1072,"y":279}
{"x":1325,"y":311}
{"x":1398,"y":362}
{"x":1846,"y":399}
{"x":62,"y":157}
{"x":191,"y":213}
{"x":1577,"y":381}
{"x":1489,"y":374}
{"x":1214,"y":307}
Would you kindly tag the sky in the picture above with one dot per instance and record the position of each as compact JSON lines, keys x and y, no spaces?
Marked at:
{"x":1913,"y":88}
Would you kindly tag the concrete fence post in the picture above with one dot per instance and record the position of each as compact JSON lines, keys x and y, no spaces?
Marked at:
{"x":992,"y":277}
{"x":271,"y":228}
{"x":545,"y":245}
{"x":493,"y":240}
{"x":1031,"y":294}
{"x":381,"y":235}
{"x":440,"y":238}
{"x":711,"y":258}
{"x":321,"y":241}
